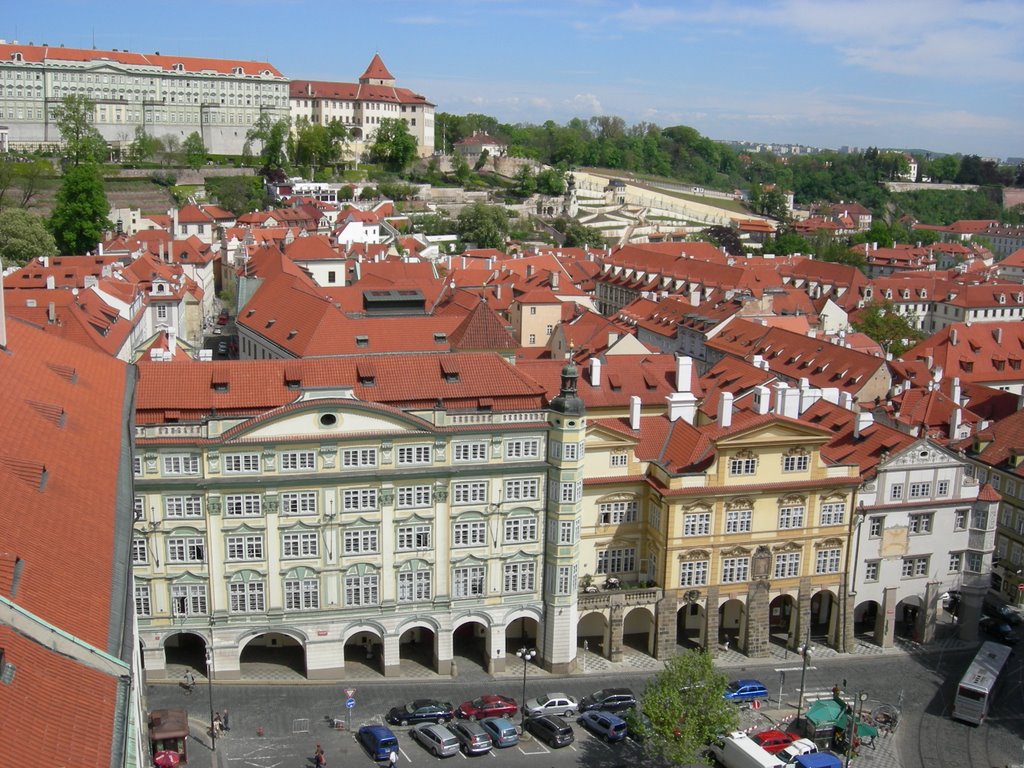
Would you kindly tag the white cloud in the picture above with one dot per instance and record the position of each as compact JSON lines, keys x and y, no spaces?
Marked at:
{"x":587,"y":103}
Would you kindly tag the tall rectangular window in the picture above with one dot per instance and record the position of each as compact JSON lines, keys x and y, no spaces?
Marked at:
{"x":735,"y":569}
{"x":359,"y":500}
{"x":871,"y":570}
{"x":244,"y":547}
{"x":956,"y":560}
{"x":303,"y":544}
{"x":693,"y":573}
{"x":520,"y":529}
{"x":791,"y":517}
{"x":414,"y":537}
{"x":617,"y":512}
{"x":568,"y":532}
{"x":242,"y":463}
{"x":787,"y":565}
{"x":474,"y":492}
{"x":468,"y":582}
{"x":247,"y":597}
{"x":298,"y":503}
{"x":833,"y":513}
{"x":362,"y":590}
{"x":413,"y":496}
{"x":738,"y":520}
{"x":618,"y":560}
{"x":361,"y":541}
{"x":298,"y":461}
{"x":827,"y":561}
{"x":875,"y":525}
{"x":896,"y":491}
{"x":522,"y":489}
{"x":520,"y":577}
{"x":243,"y":505}
{"x":186,"y":549}
{"x":565,"y":579}
{"x":140,"y":552}
{"x":921,"y":523}
{"x":413,"y":454}
{"x":469,"y":534}
{"x":188,"y":599}
{"x":415,"y":586}
{"x":301,"y":594}
{"x":698,"y":524}
{"x":143,"y":607}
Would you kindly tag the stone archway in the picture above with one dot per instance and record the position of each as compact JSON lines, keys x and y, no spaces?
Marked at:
{"x":731,"y":616}
{"x":868,"y":621}
{"x":469,"y":644}
{"x":638,"y":630}
{"x":594,"y":630}
{"x":691,"y":622}
{"x":184,"y":651}
{"x":522,"y":631}
{"x":417,"y":647}
{"x":907,"y":611}
{"x":364,"y":648}
{"x":783,"y":622}
{"x":273,"y":654}
{"x":825,"y":611}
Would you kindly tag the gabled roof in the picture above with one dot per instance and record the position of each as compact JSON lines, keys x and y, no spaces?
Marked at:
{"x":977,"y":352}
{"x":39,"y":53}
{"x":482,"y":330}
{"x":376,"y":70}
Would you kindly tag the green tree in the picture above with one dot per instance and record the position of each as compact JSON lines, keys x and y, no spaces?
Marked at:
{"x":238,"y":194}
{"x":23,"y":237}
{"x":786,"y":242}
{"x":393,"y":145}
{"x":143,"y":146}
{"x":195,"y":150}
{"x":170,"y":150}
{"x":726,"y":238}
{"x":463,"y":173}
{"x":74,"y":119}
{"x":894,"y":332}
{"x":319,"y":145}
{"x":551,"y":181}
{"x":769,"y":202}
{"x":7,"y":175}
{"x":578,"y":235}
{"x":347,"y":192}
{"x":272,"y":136}
{"x":80,"y":210}
{"x":525,"y":183}
{"x":684,"y":705}
{"x":484,"y":225}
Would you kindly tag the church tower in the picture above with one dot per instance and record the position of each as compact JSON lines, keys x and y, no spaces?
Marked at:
{"x":567,"y":423}
{"x":377,"y":74}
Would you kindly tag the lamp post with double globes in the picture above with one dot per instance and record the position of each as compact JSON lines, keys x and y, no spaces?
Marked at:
{"x":805,"y":650}
{"x":526,"y":654}
{"x":209,"y":686}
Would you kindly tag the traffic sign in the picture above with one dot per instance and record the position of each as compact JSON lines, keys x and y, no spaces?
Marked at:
{"x":350,"y":703}
{"x":350,"y":692}
{"x":1020,"y":587}
{"x":755,"y":704}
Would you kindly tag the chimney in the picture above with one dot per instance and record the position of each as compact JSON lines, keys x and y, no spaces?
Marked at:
{"x":684,"y":373}
{"x":762,"y":399}
{"x":595,"y":372}
{"x":791,"y":407}
{"x":682,"y":405}
{"x":780,"y":397}
{"x":99,"y":249}
{"x":634,"y":412}
{"x":956,"y":392}
{"x":51,"y":282}
{"x":952,"y":336}
{"x":529,"y":271}
{"x":954,"y":421}
{"x":612,"y":337}
{"x":864,"y":420}
{"x":846,"y":400}
{"x":554,"y":281}
{"x":758,"y":359}
{"x":172,"y":340}
{"x":725,"y":409}
{"x":997,"y":334}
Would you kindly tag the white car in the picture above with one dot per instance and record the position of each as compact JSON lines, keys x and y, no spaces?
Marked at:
{"x":795,"y":749}
{"x":552,"y":704}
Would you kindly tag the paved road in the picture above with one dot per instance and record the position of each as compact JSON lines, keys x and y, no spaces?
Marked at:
{"x":294,"y":717}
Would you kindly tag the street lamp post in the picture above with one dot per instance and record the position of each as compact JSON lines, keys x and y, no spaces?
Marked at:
{"x":805,"y":650}
{"x":209,"y":686}
{"x":851,"y":736}
{"x":526,"y":654}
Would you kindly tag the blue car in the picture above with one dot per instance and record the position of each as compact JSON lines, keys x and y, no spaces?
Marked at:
{"x":379,"y":741}
{"x":501,"y":730}
{"x":745,"y":690}
{"x":604,"y":724}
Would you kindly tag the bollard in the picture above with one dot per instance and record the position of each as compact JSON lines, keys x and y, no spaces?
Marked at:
{"x":259,"y":730}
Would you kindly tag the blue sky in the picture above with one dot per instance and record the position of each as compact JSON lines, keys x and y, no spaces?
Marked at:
{"x":945,"y":75}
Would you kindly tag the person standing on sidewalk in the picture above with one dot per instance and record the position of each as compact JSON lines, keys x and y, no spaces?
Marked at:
{"x":224,"y":721}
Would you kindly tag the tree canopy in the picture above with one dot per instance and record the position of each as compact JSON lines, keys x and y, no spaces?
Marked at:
{"x":80,"y":211}
{"x":319,"y":145}
{"x":238,"y":194}
{"x":484,"y":225}
{"x":74,"y":119}
{"x":685,"y":709}
{"x":578,"y":235}
{"x":195,"y":150}
{"x":23,"y":237}
{"x":882,"y":322}
{"x":272,"y":137}
{"x":143,"y":146}
{"x":393,"y":145}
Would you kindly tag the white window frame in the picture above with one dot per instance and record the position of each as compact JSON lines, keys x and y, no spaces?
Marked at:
{"x":519,"y":578}
{"x":143,"y":601}
{"x":956,"y":562}
{"x":470,"y":452}
{"x":520,"y":529}
{"x":189,"y":600}
{"x":618,"y":459}
{"x":796,"y":462}
{"x":301,"y":594}
{"x":298,"y":461}
{"x":740,"y":466}
{"x":415,"y":586}
{"x":359,"y":500}
{"x":739,"y":520}
{"x":618,"y":512}
{"x":362,"y":589}
{"x":414,"y":455}
{"x":181,"y":464}
{"x":247,"y":596}
{"x":140,"y":551}
{"x":243,"y":505}
{"x":300,"y":544}
{"x":299,"y":503}
{"x":244,"y":547}
{"x":735,"y":570}
{"x":896,"y":492}
{"x":242,"y":463}
{"x":522,"y":489}
{"x":469,"y":533}
{"x":787,"y":565}
{"x":415,"y":537}
{"x":616,"y":560}
{"x":871,"y":570}
{"x":522,"y":449}
{"x":833,"y":513}
{"x":697,"y":524}
{"x":414,"y":496}
{"x":920,"y":490}
{"x":694,"y":573}
{"x":186,"y":549}
{"x":828,"y":560}
{"x":792,"y":517}
{"x":355,"y":458}
{"x":183,"y":507}
{"x":361,"y":541}
{"x":469,"y":581}
{"x":921,"y":523}
{"x":470,"y":492}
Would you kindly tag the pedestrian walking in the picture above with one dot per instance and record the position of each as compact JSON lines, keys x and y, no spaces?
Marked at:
{"x":393,"y":758}
{"x":319,"y":760}
{"x":224,"y":720}
{"x":190,"y":681}
{"x":218,"y":725}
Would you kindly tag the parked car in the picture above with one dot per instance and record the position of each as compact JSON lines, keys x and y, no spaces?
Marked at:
{"x":222,"y":347}
{"x":421,"y":711}
{"x":223,"y":317}
{"x":998,"y":630}
{"x":796,"y":748}
{"x":551,"y":729}
{"x":491,"y":705}
{"x":501,"y":730}
{"x":606,"y":725}
{"x":379,"y":741}
{"x":745,"y":690}
{"x":473,"y":738}
{"x":1001,"y":611}
{"x":436,"y":739}
{"x":551,"y":704}
{"x":772,"y":741}
{"x":609,"y":700}
{"x":638,"y":725}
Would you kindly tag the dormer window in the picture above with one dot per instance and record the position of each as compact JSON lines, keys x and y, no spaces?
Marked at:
{"x":236,"y":71}
{"x":16,"y":56}
{"x":362,"y":341}
{"x":440,"y":338}
{"x":178,"y":67}
{"x":1002,"y":298}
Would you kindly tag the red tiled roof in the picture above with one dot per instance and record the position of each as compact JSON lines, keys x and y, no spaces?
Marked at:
{"x":482,"y":330}
{"x":376,"y":70}
{"x":40,"y":54}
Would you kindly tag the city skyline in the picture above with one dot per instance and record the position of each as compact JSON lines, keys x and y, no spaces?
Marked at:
{"x":943,"y":76}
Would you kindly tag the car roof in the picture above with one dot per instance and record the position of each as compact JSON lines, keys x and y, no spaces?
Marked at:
{"x":746,"y":682}
{"x":610,"y":716}
{"x":499,"y":722}
{"x":377,"y":730}
{"x":772,"y":732}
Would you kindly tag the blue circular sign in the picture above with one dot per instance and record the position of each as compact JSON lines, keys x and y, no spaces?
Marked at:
{"x":350,"y":703}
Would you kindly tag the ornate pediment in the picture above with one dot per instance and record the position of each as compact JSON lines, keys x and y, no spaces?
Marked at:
{"x":695,"y":554}
{"x":740,"y":503}
{"x":831,"y":543}
{"x":787,"y":546}
{"x":736,"y":552}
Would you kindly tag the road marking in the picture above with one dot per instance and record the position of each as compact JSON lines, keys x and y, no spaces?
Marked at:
{"x":792,"y":669}
{"x":543,"y":750}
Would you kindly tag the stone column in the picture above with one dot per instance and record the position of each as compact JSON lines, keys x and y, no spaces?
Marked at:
{"x":755,"y":636}
{"x":887,"y":616}
{"x":496,"y":661}
{"x":803,"y":613}
{"x":711,"y":622}
{"x":968,"y":612}
{"x":155,"y":661}
{"x":845,"y":642}
{"x":615,"y":622}
{"x":925,"y":628}
{"x":391,"y":656}
{"x":665,"y":617}
{"x":444,"y":650}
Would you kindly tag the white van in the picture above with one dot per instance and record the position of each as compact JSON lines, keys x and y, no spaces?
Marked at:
{"x":737,"y":750}
{"x":795,"y":749}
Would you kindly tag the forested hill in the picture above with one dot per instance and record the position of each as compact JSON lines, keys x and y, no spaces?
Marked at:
{"x":681,"y":152}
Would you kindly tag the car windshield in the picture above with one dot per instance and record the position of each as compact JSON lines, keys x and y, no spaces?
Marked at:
{"x":600,"y":694}
{"x":733,"y":687}
{"x":478,"y":703}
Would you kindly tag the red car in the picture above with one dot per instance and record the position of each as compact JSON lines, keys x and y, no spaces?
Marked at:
{"x":222,"y":319}
{"x":774,"y":741}
{"x":487,"y":706}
